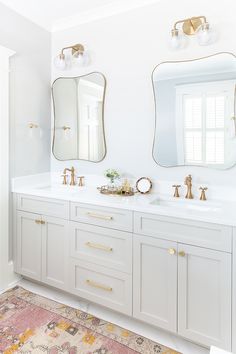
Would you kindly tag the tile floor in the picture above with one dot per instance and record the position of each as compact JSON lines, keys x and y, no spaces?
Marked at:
{"x":143,"y":329}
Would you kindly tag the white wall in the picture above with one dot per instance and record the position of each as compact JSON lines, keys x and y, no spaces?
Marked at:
{"x":29,"y":91}
{"x":126,"y":48}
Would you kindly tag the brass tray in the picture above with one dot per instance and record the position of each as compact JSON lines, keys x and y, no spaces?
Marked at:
{"x":107,"y":190}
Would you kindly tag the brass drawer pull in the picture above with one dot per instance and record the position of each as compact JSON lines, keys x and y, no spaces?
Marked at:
{"x":99,"y":216}
{"x":99,"y":286}
{"x":99,"y":247}
{"x":38,"y":221}
{"x":182,"y":254}
{"x":172,"y":251}
{"x":43,"y":222}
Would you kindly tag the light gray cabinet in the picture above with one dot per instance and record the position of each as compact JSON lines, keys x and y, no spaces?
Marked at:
{"x":29,"y":245}
{"x":173,"y":273}
{"x":55,"y":252}
{"x":204,"y":296}
{"x":42,"y":248}
{"x":155,"y":282}
{"x":184,"y":289}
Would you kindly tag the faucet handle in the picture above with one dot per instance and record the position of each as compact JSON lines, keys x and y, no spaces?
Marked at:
{"x":64,"y":175}
{"x":203,"y":193}
{"x":81,"y":181}
{"x":176,"y":186}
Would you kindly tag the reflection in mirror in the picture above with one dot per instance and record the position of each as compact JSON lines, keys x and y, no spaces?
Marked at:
{"x":196,"y":112}
{"x":78,"y":118}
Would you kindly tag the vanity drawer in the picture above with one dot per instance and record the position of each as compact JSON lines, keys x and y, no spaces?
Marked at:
{"x":45,"y":206}
{"x":202,"y":234}
{"x":106,"y":287}
{"x":101,"y":216}
{"x":107,"y":247}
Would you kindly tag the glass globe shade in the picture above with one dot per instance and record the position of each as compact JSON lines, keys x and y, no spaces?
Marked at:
{"x":80,"y":58}
{"x":205,"y":34}
{"x":178,"y":41}
{"x":60,"y":62}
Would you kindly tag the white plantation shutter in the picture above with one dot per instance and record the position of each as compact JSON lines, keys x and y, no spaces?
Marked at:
{"x":204,"y":109}
{"x":193,"y":127}
{"x":193,"y":112}
{"x":215,"y":112}
{"x":215,"y":129}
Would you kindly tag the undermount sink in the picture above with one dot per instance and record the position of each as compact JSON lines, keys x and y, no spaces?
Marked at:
{"x":187,"y":204}
{"x":59,"y":188}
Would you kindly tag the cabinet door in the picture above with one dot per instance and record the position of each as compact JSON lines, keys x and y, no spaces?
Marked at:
{"x":29,"y":244}
{"x":204,"y":299}
{"x":55,"y":239}
{"x":155,"y":281}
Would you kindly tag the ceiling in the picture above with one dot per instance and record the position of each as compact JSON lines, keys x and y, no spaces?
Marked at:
{"x":54,"y":15}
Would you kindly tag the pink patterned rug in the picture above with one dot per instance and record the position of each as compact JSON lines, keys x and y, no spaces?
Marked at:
{"x":30,"y":323}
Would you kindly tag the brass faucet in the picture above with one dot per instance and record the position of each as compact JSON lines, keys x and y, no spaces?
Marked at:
{"x":72,"y":177}
{"x":203,"y":193}
{"x":176,"y":187}
{"x":188,"y":183}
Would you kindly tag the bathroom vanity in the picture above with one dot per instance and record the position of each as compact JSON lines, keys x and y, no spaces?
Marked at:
{"x":164,"y":261}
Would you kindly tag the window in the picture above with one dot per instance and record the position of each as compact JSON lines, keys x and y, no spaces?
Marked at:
{"x":203,"y":110}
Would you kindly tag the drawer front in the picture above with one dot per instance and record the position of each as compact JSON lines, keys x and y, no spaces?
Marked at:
{"x":45,"y":206}
{"x":200,"y":234}
{"x":107,"y":247}
{"x":107,"y":217}
{"x":100,"y":285}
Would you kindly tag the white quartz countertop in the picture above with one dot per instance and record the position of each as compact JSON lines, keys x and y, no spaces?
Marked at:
{"x":217,"y":211}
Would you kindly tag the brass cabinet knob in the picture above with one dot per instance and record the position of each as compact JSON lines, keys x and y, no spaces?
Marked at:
{"x":182,"y":254}
{"x":172,"y":251}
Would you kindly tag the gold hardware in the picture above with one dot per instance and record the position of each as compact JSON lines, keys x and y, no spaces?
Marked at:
{"x":203,"y":193}
{"x":176,"y":186}
{"x":172,"y":251}
{"x":182,"y":254}
{"x":97,"y":285}
{"x":38,"y":221}
{"x":99,"y":247}
{"x":188,"y":183}
{"x":66,"y":128}
{"x":42,"y":222}
{"x":81,"y":181}
{"x":138,"y":184}
{"x":74,"y":48}
{"x":99,"y":216}
{"x":32,"y":125}
{"x":64,"y":178}
{"x":110,"y":190}
{"x":190,"y":25}
{"x":72,"y":178}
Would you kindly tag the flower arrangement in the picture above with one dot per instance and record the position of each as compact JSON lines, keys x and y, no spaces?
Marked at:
{"x":112,"y":175}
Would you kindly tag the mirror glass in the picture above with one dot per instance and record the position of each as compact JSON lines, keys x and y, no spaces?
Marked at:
{"x":78,"y":118}
{"x":196,"y":112}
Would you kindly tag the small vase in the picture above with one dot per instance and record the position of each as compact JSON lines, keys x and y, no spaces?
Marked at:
{"x":111,"y":184}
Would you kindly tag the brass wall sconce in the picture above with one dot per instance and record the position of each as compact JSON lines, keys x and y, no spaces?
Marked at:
{"x":65,"y":128}
{"x":76,"y":56}
{"x":33,"y":125}
{"x":191,"y":26}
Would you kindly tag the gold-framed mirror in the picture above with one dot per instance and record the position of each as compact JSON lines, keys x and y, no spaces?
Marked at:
{"x":79,"y":117}
{"x":195,"y":109}
{"x":144,"y":185}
